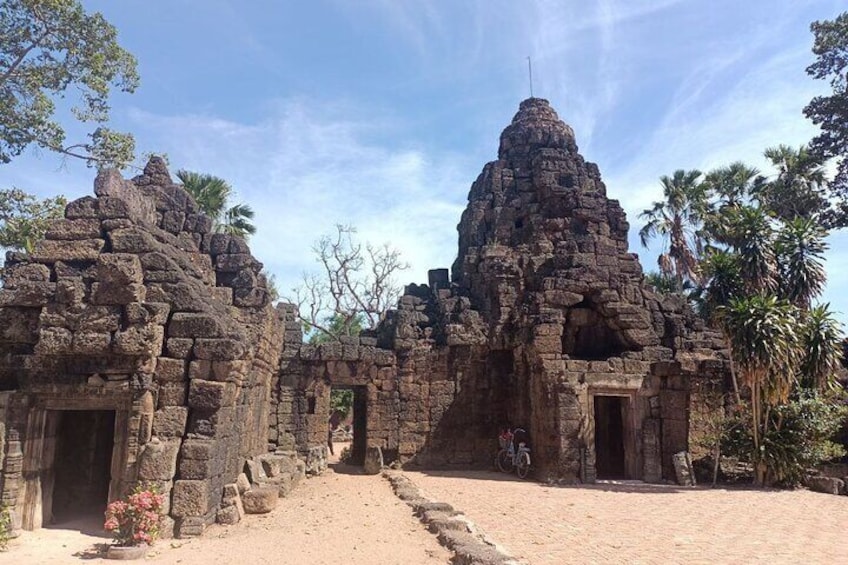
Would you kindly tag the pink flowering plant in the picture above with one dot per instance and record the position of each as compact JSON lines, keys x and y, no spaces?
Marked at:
{"x":135,"y":520}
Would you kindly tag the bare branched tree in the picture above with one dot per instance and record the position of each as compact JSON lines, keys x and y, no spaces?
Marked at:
{"x":355,"y":287}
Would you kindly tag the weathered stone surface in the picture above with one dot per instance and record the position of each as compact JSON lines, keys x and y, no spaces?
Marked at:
{"x":50,"y":251}
{"x":190,"y":498}
{"x":260,"y":500}
{"x":373,"y":461}
{"x":827,"y":485}
{"x":210,"y":395}
{"x":158,"y":460}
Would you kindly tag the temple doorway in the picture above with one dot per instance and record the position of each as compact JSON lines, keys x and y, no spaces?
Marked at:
{"x":349,"y":417}
{"x":610,"y":422}
{"x":81,"y":470}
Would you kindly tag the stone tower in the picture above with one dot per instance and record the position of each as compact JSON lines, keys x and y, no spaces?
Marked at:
{"x":600,"y":362}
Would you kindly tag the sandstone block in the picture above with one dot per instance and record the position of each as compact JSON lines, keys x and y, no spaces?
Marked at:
{"x":242,"y":483}
{"x":827,"y":485}
{"x":85,"y":207}
{"x":53,"y":341}
{"x":218,"y":349}
{"x":373,"y":461}
{"x":260,"y":500}
{"x":158,"y":460}
{"x":230,"y":515}
{"x":132,"y":240}
{"x":140,"y":340}
{"x":170,"y":370}
{"x":254,"y":471}
{"x":187,"y":324}
{"x":91,"y":343}
{"x":179,"y":347}
{"x":170,"y":421}
{"x":210,"y":395}
{"x":84,"y":228}
{"x":201,"y":449}
{"x":190,"y":498}
{"x":50,"y":251}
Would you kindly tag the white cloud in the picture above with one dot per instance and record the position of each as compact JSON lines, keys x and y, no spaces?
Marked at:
{"x":308,"y":167}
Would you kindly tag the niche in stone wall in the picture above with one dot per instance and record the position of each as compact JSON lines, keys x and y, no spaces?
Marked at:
{"x":588,"y":335}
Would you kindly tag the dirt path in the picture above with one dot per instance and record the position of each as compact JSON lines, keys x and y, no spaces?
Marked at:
{"x":637,"y":523}
{"x":335,"y":518}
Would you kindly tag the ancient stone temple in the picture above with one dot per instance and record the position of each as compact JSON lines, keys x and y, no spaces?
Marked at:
{"x":545,"y":323}
{"x":138,"y":346}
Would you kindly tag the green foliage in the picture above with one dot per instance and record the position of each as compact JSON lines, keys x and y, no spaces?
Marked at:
{"x":51,"y":47}
{"x":800,"y":248}
{"x":830,"y":113}
{"x":800,"y":436}
{"x":213,"y":194}
{"x":24,"y":219}
{"x":821,"y":337}
{"x":677,"y":219}
{"x":5,"y":527}
{"x":336,"y":325}
{"x":799,"y":189}
{"x":341,"y":400}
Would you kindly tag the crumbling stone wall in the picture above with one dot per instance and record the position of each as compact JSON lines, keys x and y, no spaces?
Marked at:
{"x":132,"y":304}
{"x":545,"y":310}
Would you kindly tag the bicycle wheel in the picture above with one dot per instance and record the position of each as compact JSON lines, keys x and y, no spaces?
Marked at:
{"x":523,"y":465}
{"x":504,"y":461}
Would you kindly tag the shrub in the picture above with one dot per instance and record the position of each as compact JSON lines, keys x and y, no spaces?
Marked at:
{"x":135,"y":521}
{"x":800,"y":437}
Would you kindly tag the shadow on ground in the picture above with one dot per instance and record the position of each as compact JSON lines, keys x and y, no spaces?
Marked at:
{"x":608,"y":486}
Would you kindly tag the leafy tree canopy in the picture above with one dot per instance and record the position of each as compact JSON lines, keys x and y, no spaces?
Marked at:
{"x":24,"y":219}
{"x":46,"y":48}
{"x":830,"y":113}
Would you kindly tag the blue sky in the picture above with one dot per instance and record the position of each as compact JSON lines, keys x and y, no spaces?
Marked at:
{"x":381,"y":113}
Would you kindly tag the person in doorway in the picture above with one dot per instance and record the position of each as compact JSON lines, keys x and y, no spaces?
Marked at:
{"x":335,"y":420}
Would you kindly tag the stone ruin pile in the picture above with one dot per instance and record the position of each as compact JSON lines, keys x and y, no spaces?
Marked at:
{"x":134,"y":309}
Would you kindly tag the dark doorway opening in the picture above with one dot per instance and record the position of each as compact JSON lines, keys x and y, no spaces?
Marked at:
{"x":353,"y":419}
{"x":610,"y":421}
{"x":83,"y":462}
{"x":587,"y":335}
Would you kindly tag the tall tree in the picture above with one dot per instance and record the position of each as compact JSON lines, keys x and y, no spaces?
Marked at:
{"x":678,"y":220}
{"x":765,"y":341}
{"x":798,"y":190}
{"x":800,"y":248}
{"x":830,"y":113}
{"x":213,"y":194}
{"x":47,"y":49}
{"x":354,"y":289}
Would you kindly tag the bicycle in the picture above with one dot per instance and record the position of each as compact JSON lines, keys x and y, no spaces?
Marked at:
{"x":511,"y":457}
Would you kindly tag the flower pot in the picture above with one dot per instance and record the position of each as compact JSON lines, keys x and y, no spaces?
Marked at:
{"x":124,"y":553}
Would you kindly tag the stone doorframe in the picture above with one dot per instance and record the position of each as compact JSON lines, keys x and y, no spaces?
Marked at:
{"x":632,"y":445}
{"x":39,"y":446}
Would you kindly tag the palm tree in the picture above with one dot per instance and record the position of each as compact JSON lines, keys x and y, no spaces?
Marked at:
{"x":212,"y":195}
{"x":678,"y":220}
{"x":237,"y":221}
{"x":800,"y":248}
{"x":733,"y":184}
{"x":798,"y":189}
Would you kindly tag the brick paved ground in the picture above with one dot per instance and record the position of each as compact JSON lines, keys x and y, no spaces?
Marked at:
{"x":646,"y":523}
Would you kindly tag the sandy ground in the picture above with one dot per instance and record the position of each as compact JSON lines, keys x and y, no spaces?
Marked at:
{"x":339,"y":517}
{"x":638,"y":523}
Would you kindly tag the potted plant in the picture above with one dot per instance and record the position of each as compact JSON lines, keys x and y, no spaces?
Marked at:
{"x":134,"y":522}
